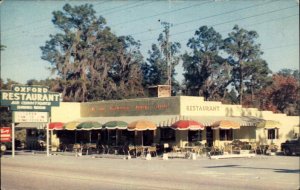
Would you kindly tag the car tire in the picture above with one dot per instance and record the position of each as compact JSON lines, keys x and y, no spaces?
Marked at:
{"x":3,"y":148}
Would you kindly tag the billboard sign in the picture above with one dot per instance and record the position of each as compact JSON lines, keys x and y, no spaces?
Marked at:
{"x":5,"y":135}
{"x":30,"y":117}
{"x":29,"y":98}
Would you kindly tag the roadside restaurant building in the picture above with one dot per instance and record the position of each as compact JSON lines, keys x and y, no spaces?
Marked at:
{"x":163,"y":120}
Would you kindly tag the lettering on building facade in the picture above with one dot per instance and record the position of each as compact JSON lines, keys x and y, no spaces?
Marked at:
{"x":202,"y":108}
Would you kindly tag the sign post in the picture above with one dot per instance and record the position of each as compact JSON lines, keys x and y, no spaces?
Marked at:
{"x":47,"y":139}
{"x":13,"y":140}
{"x":29,"y":104}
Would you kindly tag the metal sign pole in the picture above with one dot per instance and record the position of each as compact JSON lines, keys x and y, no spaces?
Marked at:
{"x":13,"y":140}
{"x":47,"y":139}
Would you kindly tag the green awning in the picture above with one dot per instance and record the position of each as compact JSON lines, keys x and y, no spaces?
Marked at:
{"x":116,"y":125}
{"x":89,"y":125}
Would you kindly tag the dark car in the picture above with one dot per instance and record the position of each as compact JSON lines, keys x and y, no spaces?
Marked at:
{"x":291,"y":147}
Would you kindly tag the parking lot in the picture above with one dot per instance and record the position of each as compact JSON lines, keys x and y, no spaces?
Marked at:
{"x":36,"y":171}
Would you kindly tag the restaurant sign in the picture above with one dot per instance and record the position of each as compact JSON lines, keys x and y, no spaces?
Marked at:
{"x":30,"y":117}
{"x":133,"y":107}
{"x":29,"y":98}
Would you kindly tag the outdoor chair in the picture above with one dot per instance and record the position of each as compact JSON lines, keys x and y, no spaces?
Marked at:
{"x":125,"y":149}
{"x":68,"y":147}
{"x":254,"y":147}
{"x":77,"y":148}
{"x":214,"y":151}
{"x":228,"y":148}
{"x":131,"y":150}
{"x":176,"y":149}
{"x":199,"y":150}
{"x":273,"y":148}
{"x":196,"y":149}
{"x":140,"y":151}
{"x":152,"y":150}
{"x":105,"y":149}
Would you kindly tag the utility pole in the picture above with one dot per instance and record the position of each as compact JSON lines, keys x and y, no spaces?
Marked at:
{"x":168,"y":54}
{"x":166,"y":49}
{"x":169,"y":64}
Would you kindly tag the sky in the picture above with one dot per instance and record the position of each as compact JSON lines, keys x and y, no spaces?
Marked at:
{"x":26,"y":26}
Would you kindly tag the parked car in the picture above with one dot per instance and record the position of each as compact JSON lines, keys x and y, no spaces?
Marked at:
{"x":291,"y":147}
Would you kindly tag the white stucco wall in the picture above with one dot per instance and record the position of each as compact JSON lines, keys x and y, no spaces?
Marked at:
{"x":66,"y":112}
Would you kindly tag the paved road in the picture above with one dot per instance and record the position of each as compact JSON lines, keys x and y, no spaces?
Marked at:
{"x":70,"y":172}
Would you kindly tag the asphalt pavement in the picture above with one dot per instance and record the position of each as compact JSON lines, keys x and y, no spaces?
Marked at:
{"x":62,"y":172}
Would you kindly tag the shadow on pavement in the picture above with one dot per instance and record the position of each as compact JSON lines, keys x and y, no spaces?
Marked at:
{"x":296,"y":171}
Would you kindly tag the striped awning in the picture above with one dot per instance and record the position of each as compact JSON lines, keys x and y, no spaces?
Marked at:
{"x":225,"y":124}
{"x":56,"y":125}
{"x":71,"y":125}
{"x":115,"y":125}
{"x":31,"y":125}
{"x":210,"y":120}
{"x":158,"y":120}
{"x":141,"y":125}
{"x":269,"y":124}
{"x":187,"y":125}
{"x":89,"y":125}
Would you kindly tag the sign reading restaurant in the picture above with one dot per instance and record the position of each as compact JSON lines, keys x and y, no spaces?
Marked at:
{"x":29,"y":98}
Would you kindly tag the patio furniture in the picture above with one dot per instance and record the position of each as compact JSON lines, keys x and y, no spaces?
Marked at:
{"x":131,"y":150}
{"x":67,"y":147}
{"x":197,"y":149}
{"x":152,"y":150}
{"x":140,"y":150}
{"x":214,"y":151}
{"x":77,"y":147}
{"x":228,"y":148}
{"x":176,"y":149}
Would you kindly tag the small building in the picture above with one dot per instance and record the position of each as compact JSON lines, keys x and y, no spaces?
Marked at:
{"x":159,"y":91}
{"x":263,"y":127}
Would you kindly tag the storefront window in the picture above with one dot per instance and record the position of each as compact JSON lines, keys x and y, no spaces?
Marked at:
{"x":194,"y":136}
{"x":167,"y":134}
{"x":226,"y":135}
{"x":272,"y":133}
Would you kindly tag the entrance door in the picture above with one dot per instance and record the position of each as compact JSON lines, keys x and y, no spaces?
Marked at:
{"x":209,"y":136}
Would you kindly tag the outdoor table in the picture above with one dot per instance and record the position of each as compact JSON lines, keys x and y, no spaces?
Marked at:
{"x":131,"y":149}
{"x":188,"y":150}
{"x":141,"y":149}
{"x":90,"y":146}
{"x":115,"y":149}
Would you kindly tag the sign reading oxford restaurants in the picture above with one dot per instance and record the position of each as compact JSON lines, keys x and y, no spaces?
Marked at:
{"x":30,"y":98}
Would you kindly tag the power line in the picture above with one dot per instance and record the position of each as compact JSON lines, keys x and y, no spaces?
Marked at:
{"x":267,"y":21}
{"x":270,"y":20}
{"x":238,"y":19}
{"x":38,"y":21}
{"x":148,"y":2}
{"x":215,"y":15}
{"x":47,"y":19}
{"x":120,"y":6}
{"x":163,"y":13}
{"x":230,"y":21}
